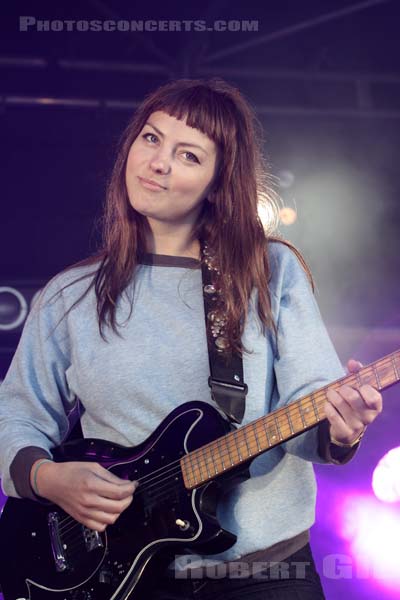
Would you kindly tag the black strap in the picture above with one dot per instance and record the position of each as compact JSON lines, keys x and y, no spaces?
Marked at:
{"x":228,"y":389}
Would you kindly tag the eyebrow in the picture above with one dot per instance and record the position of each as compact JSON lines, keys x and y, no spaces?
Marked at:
{"x":179,"y":143}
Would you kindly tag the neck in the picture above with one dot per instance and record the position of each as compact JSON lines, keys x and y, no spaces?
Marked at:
{"x":173,"y":247}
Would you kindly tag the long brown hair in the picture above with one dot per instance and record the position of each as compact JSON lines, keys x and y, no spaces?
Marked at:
{"x":229,"y":220}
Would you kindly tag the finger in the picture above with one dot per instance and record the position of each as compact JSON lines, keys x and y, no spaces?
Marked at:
{"x":99,"y":517}
{"x":371,"y":397}
{"x":339,"y":428}
{"x":354,"y":365}
{"x":106,"y":484}
{"x":349,"y":405}
{"x":364,"y":403}
{"x":92,"y":524}
{"x":106,"y":505}
{"x":357,"y":408}
{"x":99,"y":487}
{"x":108,"y":475}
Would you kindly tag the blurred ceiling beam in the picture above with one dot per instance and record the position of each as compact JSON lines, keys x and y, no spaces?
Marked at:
{"x":144,"y":40}
{"x":118,"y":104}
{"x":293,"y":29}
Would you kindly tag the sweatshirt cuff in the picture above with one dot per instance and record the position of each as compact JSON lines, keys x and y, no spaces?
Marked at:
{"x":330,"y":452}
{"x":20,"y":470}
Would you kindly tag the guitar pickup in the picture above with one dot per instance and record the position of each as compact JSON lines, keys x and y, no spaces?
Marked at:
{"x":92,"y":539}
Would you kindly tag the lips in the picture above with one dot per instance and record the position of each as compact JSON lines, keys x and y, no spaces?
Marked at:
{"x":150,"y":183}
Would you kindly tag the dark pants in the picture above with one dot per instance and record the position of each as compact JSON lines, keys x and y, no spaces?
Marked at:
{"x":295,"y":578}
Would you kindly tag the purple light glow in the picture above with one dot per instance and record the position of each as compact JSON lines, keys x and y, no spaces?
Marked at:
{"x":386,"y":477}
{"x":372,"y":530}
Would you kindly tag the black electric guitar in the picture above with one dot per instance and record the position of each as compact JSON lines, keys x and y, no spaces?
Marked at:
{"x":181,"y":467}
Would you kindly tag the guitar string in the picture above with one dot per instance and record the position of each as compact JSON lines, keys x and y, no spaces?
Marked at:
{"x":156,"y":480}
{"x":161,"y":475}
{"x":144,"y":485}
{"x":163,"y":470}
{"x":291,"y":409}
{"x":163,"y":492}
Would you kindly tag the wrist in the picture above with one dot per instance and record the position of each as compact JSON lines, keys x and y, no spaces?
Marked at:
{"x":37,"y":471}
{"x":350,"y":444}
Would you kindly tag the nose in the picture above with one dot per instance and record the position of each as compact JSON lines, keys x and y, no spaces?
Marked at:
{"x":160,"y":163}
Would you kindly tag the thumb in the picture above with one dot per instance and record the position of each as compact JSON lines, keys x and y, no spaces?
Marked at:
{"x":354,"y":365}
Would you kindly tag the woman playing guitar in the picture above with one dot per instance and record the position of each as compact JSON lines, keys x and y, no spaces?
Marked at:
{"x":124,"y":331}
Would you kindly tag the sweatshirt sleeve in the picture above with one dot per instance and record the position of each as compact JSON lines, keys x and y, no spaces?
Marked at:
{"x":305,"y":359}
{"x":34,"y":396}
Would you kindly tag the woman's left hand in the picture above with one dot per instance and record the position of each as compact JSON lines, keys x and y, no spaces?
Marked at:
{"x":349,"y":410}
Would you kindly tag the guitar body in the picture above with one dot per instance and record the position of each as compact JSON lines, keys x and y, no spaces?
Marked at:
{"x":45,"y":554}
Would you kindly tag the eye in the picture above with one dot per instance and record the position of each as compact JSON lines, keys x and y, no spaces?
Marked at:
{"x":192,"y":157}
{"x":146,"y":136}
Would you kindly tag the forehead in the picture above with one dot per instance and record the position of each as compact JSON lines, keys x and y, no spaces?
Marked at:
{"x":177,"y":130}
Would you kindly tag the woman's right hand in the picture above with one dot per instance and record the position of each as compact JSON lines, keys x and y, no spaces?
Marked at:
{"x":85,"y":490}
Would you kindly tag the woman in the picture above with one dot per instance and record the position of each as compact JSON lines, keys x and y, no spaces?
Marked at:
{"x":124,"y":332}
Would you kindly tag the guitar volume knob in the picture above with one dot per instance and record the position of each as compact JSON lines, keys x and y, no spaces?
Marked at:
{"x":183,"y":525}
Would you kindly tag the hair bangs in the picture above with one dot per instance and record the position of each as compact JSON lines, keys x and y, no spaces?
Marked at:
{"x":203,"y":108}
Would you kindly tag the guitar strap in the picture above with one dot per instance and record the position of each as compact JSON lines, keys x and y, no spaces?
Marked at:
{"x":228,"y":389}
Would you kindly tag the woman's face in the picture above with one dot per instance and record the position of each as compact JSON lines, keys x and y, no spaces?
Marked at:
{"x":181,"y":160}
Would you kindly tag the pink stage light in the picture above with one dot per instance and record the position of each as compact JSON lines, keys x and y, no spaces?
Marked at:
{"x":386,"y":477}
{"x":372,"y":530}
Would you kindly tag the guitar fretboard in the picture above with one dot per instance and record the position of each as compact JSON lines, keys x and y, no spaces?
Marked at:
{"x":247,"y":442}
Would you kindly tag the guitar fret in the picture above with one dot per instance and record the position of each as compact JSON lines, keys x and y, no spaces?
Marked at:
{"x":237,"y":447}
{"x":242,"y":445}
{"x":254,"y":431}
{"x":289,"y":421}
{"x":192,"y":468}
{"x":396,"y":372}
{"x":266,"y":432}
{"x":256,"y":436}
{"x":307,"y":410}
{"x":247,"y":445}
{"x":376,"y":377}
{"x":277,"y":427}
{"x":274,"y":433}
{"x":315,"y":408}
{"x":229,"y":452}
{"x":221,"y":453}
{"x":208,"y":458}
{"x":202,"y":465}
{"x":301,"y":415}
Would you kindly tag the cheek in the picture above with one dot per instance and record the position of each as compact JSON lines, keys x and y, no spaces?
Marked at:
{"x":192,"y":183}
{"x":132,"y":159}
{"x":136,"y":156}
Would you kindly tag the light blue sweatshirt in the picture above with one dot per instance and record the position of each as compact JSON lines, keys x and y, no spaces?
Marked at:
{"x":127,"y":386}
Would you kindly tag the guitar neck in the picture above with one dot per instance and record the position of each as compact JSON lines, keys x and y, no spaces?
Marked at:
{"x":244,"y":444}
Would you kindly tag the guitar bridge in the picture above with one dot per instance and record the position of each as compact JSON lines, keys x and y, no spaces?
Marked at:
{"x":56,"y":543}
{"x":90,"y":538}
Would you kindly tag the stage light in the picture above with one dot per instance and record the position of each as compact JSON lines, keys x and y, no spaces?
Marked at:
{"x":386,"y":477}
{"x":372,"y":530}
{"x":287,"y":215}
{"x":13,"y":308}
